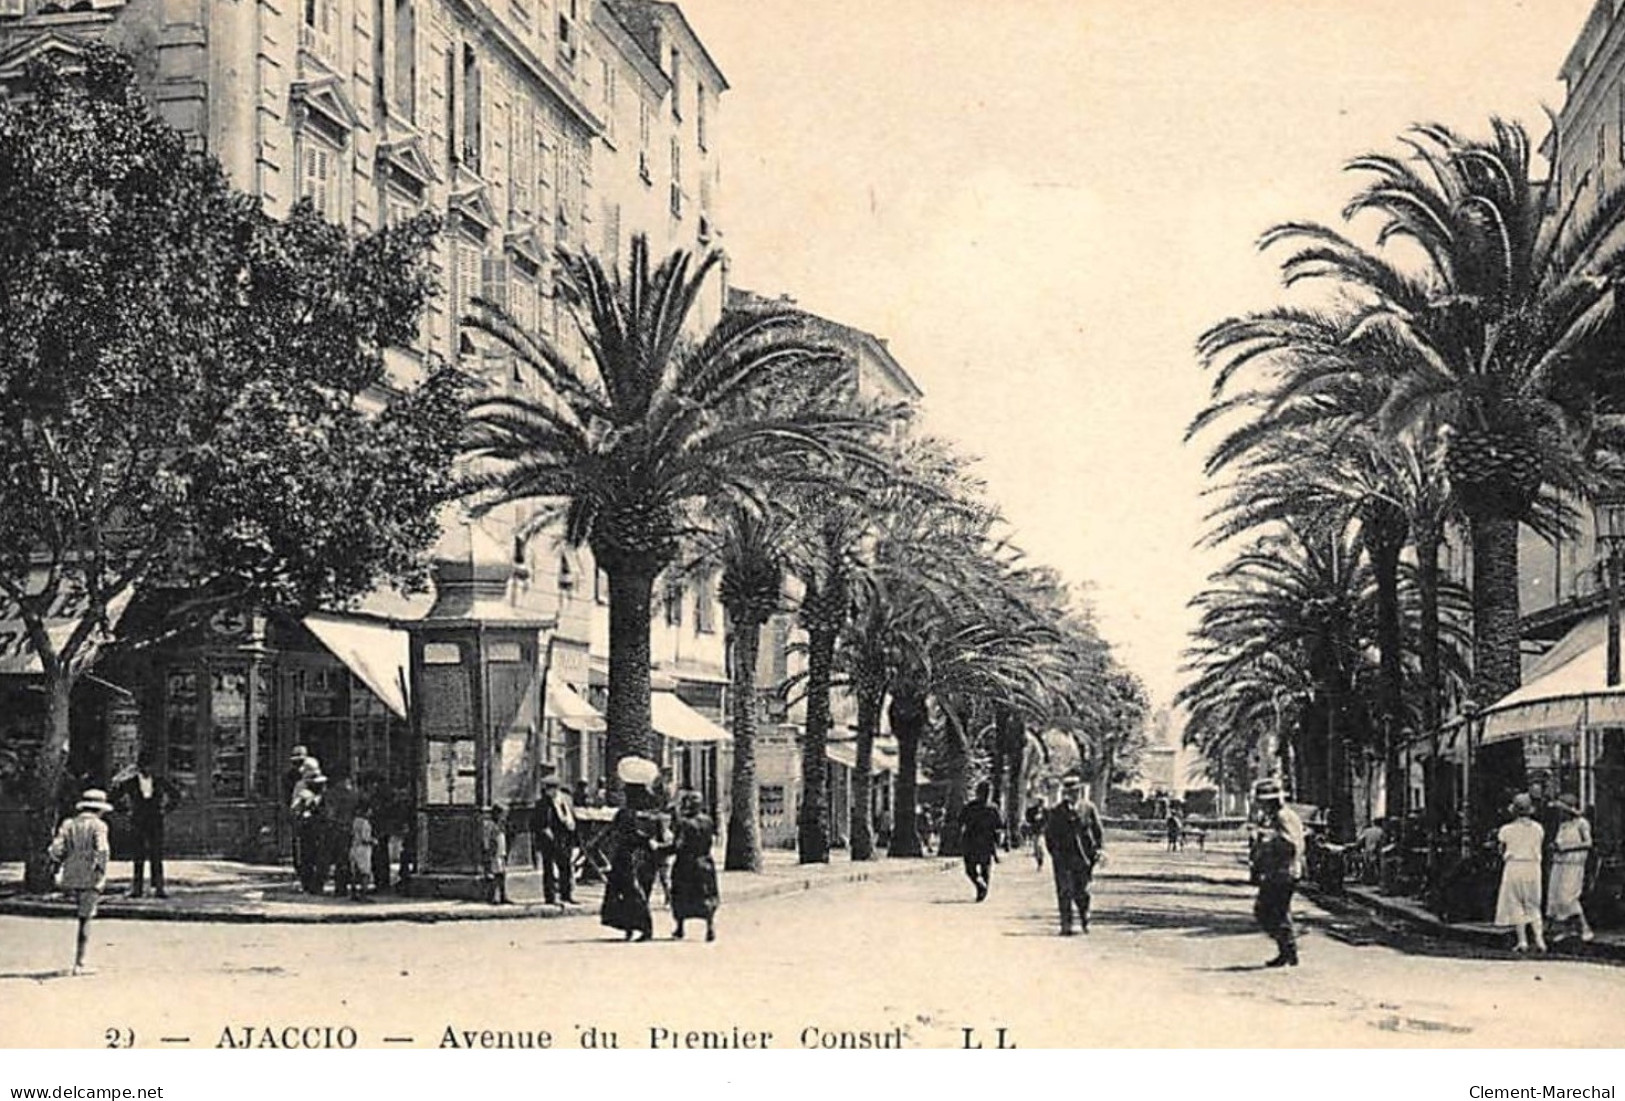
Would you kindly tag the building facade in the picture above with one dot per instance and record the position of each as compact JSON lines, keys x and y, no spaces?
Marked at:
{"x":529,"y":126}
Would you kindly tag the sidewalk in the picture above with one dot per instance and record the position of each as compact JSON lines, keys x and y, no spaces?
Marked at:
{"x":1226,"y":864}
{"x":1609,"y":945}
{"x":225,"y":891}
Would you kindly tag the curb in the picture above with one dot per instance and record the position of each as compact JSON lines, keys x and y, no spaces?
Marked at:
{"x":751,"y":892}
{"x":1496,"y":941}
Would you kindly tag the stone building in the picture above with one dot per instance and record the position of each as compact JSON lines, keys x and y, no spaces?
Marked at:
{"x":529,"y":125}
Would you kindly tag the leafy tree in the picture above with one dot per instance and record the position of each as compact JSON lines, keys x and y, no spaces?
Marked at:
{"x":192,"y":394}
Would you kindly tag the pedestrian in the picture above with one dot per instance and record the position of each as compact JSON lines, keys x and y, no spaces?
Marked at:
{"x":580,"y":795}
{"x":694,"y":891}
{"x":1035,"y":832}
{"x":81,"y":849}
{"x":338,"y":811}
{"x":634,"y":844}
{"x":147,"y":797}
{"x":922,"y":828}
{"x":360,"y":855}
{"x":554,"y":839}
{"x":1371,"y":841}
{"x":1076,"y":843}
{"x":494,"y":855}
{"x":1175,"y":829}
{"x":290,"y":782}
{"x":1277,"y":858}
{"x":979,"y":829}
{"x":600,"y":793}
{"x":305,"y":809}
{"x":1570,"y":851}
{"x":1518,"y":902}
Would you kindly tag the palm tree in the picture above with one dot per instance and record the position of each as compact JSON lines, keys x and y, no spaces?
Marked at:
{"x":1296,"y":598}
{"x":621,"y":448}
{"x":1507,"y":331}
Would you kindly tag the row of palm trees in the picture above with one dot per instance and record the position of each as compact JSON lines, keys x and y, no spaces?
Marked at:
{"x":1452,"y":379}
{"x":748,"y":447}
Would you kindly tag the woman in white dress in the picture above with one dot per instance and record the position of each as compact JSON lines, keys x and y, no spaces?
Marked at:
{"x":1570,"y":849}
{"x":1518,"y":903}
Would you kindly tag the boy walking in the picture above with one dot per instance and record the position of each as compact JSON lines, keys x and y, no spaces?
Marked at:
{"x":81,"y":848}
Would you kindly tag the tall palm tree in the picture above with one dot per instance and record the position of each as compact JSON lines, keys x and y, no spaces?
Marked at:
{"x":1508,"y":329}
{"x":622,"y":447}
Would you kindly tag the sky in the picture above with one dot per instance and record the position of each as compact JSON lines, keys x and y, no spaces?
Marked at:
{"x":1041,"y":203}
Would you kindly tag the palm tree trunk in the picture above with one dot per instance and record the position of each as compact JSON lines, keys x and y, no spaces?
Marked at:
{"x":862,"y":818}
{"x":907,"y":726}
{"x":956,"y":758}
{"x":1496,"y":665}
{"x":1384,"y":551}
{"x":744,"y":851}
{"x":1427,"y":542}
{"x":627,"y":714}
{"x":812,"y":834}
{"x":49,"y":769}
{"x":1013,"y":748}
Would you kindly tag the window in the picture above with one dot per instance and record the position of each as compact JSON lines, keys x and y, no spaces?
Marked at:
{"x":704,"y":611}
{"x":453,"y":154}
{"x":317,"y":31}
{"x":699,"y":114}
{"x":466,"y":267}
{"x":228,"y":712}
{"x":522,"y":160}
{"x":674,"y":603}
{"x":405,"y":82}
{"x":318,"y":176}
{"x":676,"y":84}
{"x":600,"y":587}
{"x":494,"y":280}
{"x":180,"y":725}
{"x":610,"y":90}
{"x":567,"y":576}
{"x":568,"y":44}
{"x":472,"y":109}
{"x":677,"y":177}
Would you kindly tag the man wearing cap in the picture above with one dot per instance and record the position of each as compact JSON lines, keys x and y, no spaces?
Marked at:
{"x":80,"y":847}
{"x":1277,"y":860}
{"x":553,"y":833}
{"x":1076,"y":843}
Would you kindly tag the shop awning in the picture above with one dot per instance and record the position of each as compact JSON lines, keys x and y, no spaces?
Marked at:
{"x":375,"y":652}
{"x":845,"y":754}
{"x":674,"y":719}
{"x":1566,"y":690}
{"x":567,"y":706}
{"x":17,"y":656}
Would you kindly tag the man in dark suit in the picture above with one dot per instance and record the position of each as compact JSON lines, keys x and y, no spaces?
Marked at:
{"x":147,"y":798}
{"x":1076,"y":843}
{"x":553,"y":838}
{"x":979,"y":828}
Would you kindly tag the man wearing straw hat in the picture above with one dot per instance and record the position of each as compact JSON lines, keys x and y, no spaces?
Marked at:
{"x":1278,"y":864}
{"x":80,"y":847}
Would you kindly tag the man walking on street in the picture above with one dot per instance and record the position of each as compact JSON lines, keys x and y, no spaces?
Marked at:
{"x":553,"y":839}
{"x":1076,"y":843}
{"x":1277,"y":866}
{"x":979,"y":827}
{"x":148,"y":798}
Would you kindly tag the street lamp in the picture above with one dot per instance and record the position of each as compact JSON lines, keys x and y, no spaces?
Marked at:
{"x":1608,"y":509}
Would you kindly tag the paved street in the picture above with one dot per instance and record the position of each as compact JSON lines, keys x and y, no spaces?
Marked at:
{"x":1173,"y":960}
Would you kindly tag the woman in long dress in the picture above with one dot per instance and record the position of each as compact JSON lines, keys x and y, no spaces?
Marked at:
{"x":1518,"y":903}
{"x":635,"y":841}
{"x":1570,"y":850}
{"x":693,"y":872}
